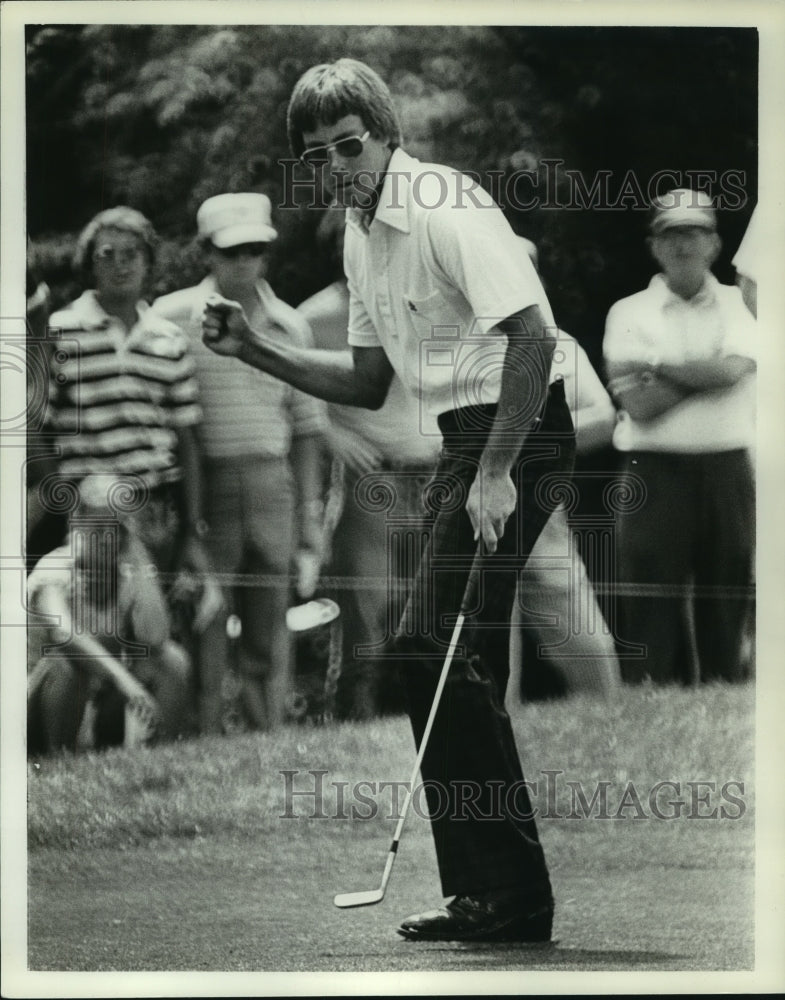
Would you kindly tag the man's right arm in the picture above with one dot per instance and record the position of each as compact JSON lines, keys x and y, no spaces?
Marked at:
{"x":360,"y":377}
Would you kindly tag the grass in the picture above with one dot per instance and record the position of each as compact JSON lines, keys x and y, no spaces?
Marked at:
{"x":234,"y":786}
{"x":176,"y":857}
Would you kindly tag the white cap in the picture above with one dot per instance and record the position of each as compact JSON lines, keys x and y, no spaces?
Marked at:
{"x":683,"y":207}
{"x":228,"y":220}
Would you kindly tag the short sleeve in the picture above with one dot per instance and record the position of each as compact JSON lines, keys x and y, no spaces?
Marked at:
{"x":621,"y":344}
{"x":361,"y":329}
{"x":362,"y":332}
{"x":481,"y":255}
{"x":55,"y":569}
{"x":748,"y":256}
{"x":741,"y":333}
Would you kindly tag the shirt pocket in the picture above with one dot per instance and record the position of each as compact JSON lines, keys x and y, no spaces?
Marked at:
{"x":430,"y":306}
{"x":434,"y":315}
{"x":435,"y":340}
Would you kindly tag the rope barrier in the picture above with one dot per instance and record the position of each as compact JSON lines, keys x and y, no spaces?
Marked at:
{"x":352,"y":583}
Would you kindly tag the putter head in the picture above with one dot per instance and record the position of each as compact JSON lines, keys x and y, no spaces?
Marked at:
{"x":344,"y":900}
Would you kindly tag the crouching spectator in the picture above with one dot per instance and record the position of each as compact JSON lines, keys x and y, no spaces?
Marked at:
{"x":102,"y":668}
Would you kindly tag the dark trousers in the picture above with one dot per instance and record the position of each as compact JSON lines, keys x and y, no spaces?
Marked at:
{"x":695,"y":529}
{"x":481,"y":816}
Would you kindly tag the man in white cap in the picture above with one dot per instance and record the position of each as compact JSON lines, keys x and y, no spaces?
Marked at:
{"x":681,"y":363}
{"x":260,"y":441}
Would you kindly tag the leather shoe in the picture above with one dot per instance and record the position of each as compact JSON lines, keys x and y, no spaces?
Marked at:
{"x":481,"y":918}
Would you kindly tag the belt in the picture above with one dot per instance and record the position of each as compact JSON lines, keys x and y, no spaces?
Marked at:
{"x":479,"y":419}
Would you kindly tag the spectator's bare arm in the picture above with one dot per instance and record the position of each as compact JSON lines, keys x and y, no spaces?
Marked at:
{"x":594,"y":415}
{"x":88,"y":654}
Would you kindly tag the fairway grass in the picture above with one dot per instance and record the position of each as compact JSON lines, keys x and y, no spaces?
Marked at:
{"x":701,"y":739}
{"x":191,"y":856}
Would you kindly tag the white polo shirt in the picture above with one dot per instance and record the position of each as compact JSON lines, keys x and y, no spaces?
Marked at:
{"x":437,"y":269}
{"x":656,"y":323}
{"x":402,"y":431}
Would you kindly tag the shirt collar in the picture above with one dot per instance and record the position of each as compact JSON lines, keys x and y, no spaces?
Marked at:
{"x":393,"y":206}
{"x":704,"y":296}
{"x":92,"y":313}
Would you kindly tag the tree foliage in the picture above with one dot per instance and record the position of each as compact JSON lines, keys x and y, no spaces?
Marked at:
{"x":162,"y":117}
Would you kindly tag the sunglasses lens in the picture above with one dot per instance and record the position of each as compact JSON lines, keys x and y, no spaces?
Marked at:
{"x":350,"y":147}
{"x":244,"y":250}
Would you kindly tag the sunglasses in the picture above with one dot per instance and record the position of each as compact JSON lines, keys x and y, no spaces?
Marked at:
{"x":242,"y":250}
{"x":111,"y":255}
{"x":348,"y":148}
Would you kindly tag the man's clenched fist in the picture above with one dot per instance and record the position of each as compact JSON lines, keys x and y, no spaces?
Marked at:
{"x":225,"y":327}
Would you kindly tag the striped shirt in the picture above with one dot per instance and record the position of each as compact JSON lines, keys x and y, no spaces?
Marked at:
{"x":117,"y":399}
{"x":246,"y":412}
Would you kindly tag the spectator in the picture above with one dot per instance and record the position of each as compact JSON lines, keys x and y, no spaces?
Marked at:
{"x":123,"y":399}
{"x":107,"y":644}
{"x":44,"y":528}
{"x":586,"y":660}
{"x":747,"y":262}
{"x":576,"y":653}
{"x":680,"y":357}
{"x":397,"y":444}
{"x":260,"y":443}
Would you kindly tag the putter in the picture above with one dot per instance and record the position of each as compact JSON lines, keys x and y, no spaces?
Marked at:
{"x":345,"y":900}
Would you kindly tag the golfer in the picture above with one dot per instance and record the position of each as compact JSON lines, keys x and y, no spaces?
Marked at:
{"x":442,"y":293}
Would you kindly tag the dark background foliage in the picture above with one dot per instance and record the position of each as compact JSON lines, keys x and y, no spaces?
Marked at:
{"x":161,"y":117}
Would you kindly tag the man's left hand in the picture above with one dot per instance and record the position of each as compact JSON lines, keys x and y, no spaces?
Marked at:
{"x":492,"y":499}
